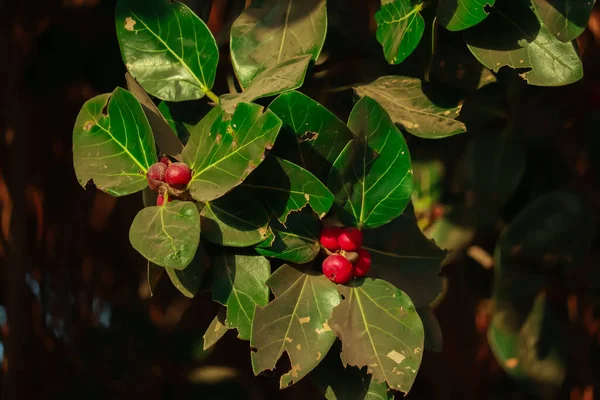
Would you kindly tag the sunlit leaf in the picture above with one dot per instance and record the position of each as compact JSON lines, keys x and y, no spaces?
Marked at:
{"x":167,"y":235}
{"x":215,"y":330}
{"x":565,"y":19}
{"x":381,"y":330}
{"x":524,"y":43}
{"x":223,"y":150}
{"x":166,"y":48}
{"x":113,"y":144}
{"x":403,"y":256}
{"x":456,"y":15}
{"x":271,"y":31}
{"x":399,"y":29}
{"x":239,"y":284}
{"x":237,"y":219}
{"x":408,"y":105}
{"x":311,"y":136}
{"x":285,"y":187}
{"x":296,"y":242}
{"x":286,"y":75}
{"x":372,"y":177}
{"x":189,"y":280}
{"x":295,"y":322}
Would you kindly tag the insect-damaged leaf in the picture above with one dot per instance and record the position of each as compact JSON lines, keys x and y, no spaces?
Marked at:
{"x":381,"y":330}
{"x":167,"y":235}
{"x":372,"y":177}
{"x":524,"y":43}
{"x":311,"y":136}
{"x":408,"y":105}
{"x":295,"y":322}
{"x":287,"y":75}
{"x":296,"y":242}
{"x":399,"y":29}
{"x":223,"y":149}
{"x":285,"y":188}
{"x":239,"y":284}
{"x":166,"y":48}
{"x":116,"y":148}
{"x":271,"y":31}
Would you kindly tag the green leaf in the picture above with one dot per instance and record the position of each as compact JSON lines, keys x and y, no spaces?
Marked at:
{"x":337,"y":382}
{"x":399,"y":29}
{"x":271,"y":31}
{"x":408,"y":105}
{"x":286,"y":75}
{"x":286,"y":187}
{"x":166,"y":48}
{"x":181,"y":129}
{"x":167,"y":235}
{"x":372,"y":177}
{"x":189,"y":280}
{"x":114,"y":148}
{"x":565,"y":19}
{"x":311,"y":136}
{"x":215,"y":330}
{"x":495,"y":165}
{"x":239,"y":284}
{"x":456,"y":15}
{"x":380,"y":329}
{"x":296,"y":242}
{"x":524,"y":43}
{"x":434,"y":340}
{"x":295,"y":322}
{"x":237,"y":219}
{"x":223,"y":149}
{"x":403,"y":256}
{"x":165,"y":137}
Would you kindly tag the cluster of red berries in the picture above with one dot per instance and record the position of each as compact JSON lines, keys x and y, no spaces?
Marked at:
{"x":346,"y":259}
{"x":168,"y":177}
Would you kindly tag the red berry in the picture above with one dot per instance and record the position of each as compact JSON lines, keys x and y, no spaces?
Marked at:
{"x":329,"y":237}
{"x":178,"y":174}
{"x":350,"y":239}
{"x":160,"y":200}
{"x":337,"y":268}
{"x":165,"y":160}
{"x":363,"y":263}
{"x":156,"y":175}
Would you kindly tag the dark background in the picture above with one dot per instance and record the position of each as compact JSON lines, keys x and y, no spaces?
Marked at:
{"x":76,"y":317}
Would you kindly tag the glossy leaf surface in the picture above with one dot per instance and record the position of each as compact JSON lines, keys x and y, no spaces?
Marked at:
{"x":456,"y":15}
{"x":399,"y":29}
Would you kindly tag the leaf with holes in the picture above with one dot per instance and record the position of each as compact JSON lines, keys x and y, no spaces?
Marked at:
{"x":239,"y":284}
{"x":403,"y":256}
{"x":271,"y":31}
{"x":296,"y":242}
{"x":286,"y":187}
{"x":215,"y":330}
{"x":399,"y":29}
{"x":311,"y":136}
{"x":381,"y":330}
{"x":113,"y":144}
{"x":565,"y":19}
{"x":167,"y":48}
{"x":456,"y":15}
{"x":223,"y":150}
{"x":189,"y":280}
{"x":286,"y":75}
{"x":237,"y":219}
{"x":524,"y":43}
{"x":408,"y":105}
{"x":295,"y":322}
{"x":372,"y":177}
{"x":167,"y":235}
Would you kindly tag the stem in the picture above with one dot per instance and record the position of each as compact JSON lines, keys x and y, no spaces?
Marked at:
{"x":212,"y":96}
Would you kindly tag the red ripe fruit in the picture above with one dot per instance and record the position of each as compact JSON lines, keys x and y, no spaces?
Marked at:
{"x":329,"y":237}
{"x":363,"y":264}
{"x":156,"y":175}
{"x":165,"y":160}
{"x":337,"y":268}
{"x":178,"y":174}
{"x":350,"y":239}
{"x":160,"y":200}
